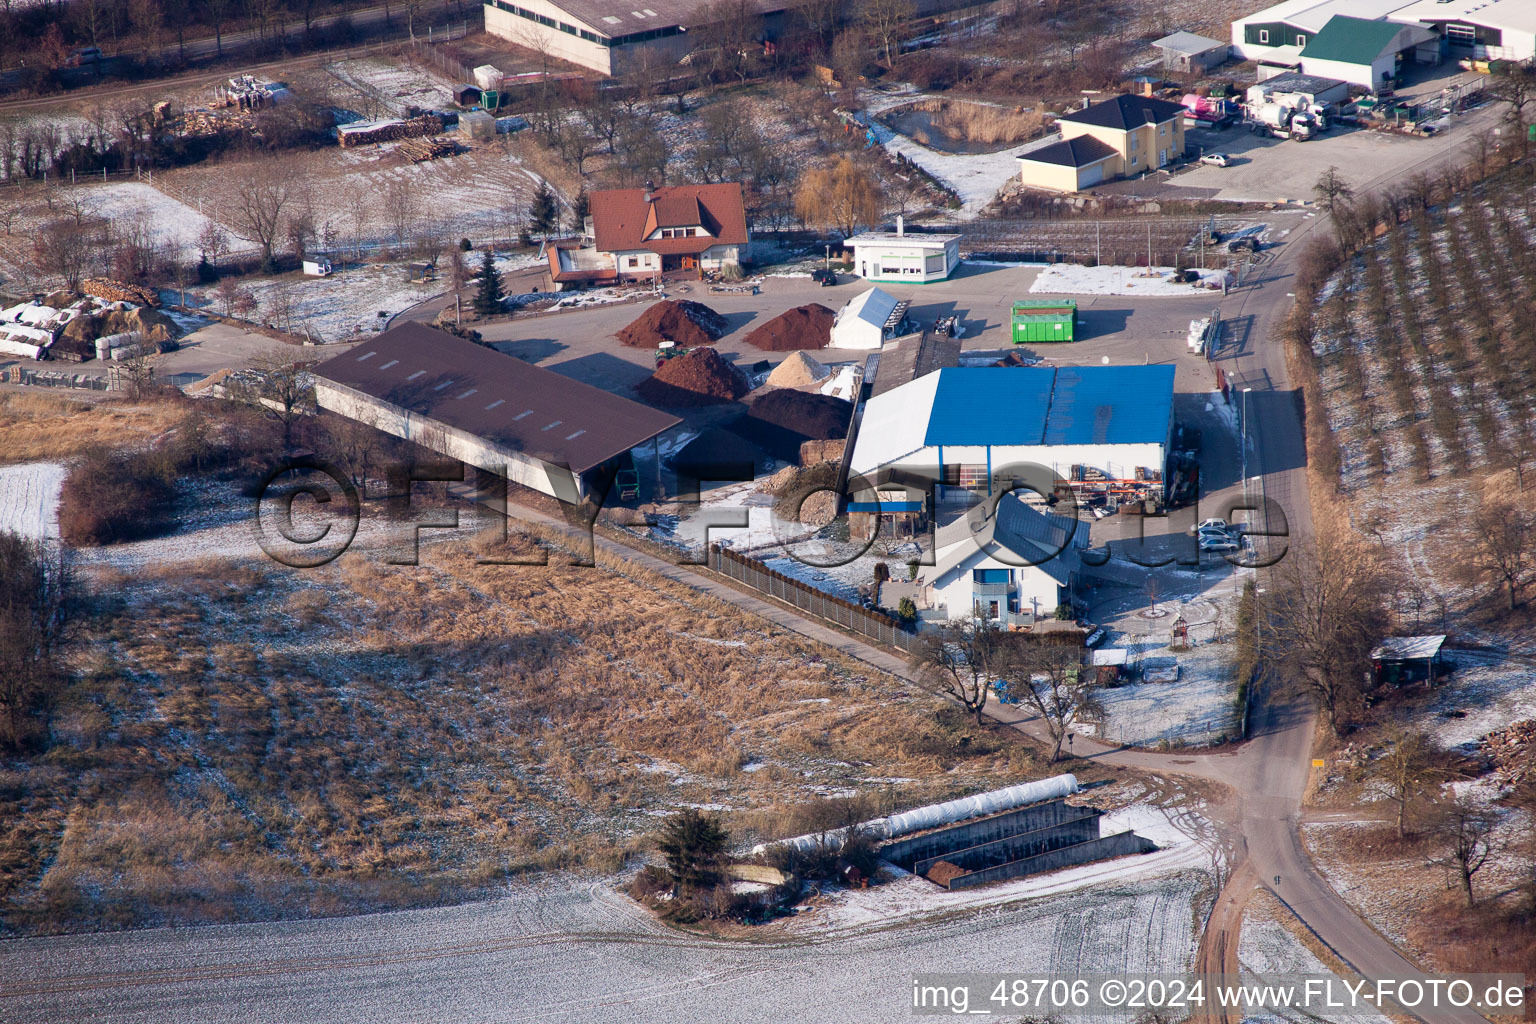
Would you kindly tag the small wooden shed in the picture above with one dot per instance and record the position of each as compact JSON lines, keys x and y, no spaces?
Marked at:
{"x":1401,"y":660}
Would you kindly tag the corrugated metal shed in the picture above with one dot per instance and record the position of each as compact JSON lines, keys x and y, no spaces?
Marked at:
{"x":1111,"y":405}
{"x":1408,"y":648}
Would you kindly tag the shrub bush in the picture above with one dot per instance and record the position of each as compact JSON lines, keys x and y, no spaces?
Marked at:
{"x":110,"y":497}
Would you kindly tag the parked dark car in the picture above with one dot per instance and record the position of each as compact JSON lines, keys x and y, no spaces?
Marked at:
{"x":826,"y":278}
{"x":1244,"y":242}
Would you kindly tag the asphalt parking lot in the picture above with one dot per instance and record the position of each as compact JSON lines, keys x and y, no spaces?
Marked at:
{"x":1121,"y":329}
{"x":1266,"y":169}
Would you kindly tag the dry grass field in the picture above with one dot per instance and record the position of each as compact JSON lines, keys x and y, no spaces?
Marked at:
{"x":245,"y":741}
{"x":40,"y":426}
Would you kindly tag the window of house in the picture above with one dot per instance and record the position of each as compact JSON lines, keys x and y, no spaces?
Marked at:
{"x":991,"y":575}
{"x":1264,"y":35}
{"x":974,"y":476}
{"x":1301,"y":40}
{"x":634,"y":261}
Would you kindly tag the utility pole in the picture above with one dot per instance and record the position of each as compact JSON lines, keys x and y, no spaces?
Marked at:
{"x":1245,"y":444}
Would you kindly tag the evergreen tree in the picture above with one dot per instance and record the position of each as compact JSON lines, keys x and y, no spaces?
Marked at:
{"x":544,"y":212}
{"x":579,"y":210}
{"x":488,"y":296}
{"x":695,"y":845}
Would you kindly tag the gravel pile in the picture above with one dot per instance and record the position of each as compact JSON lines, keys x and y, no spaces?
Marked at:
{"x":803,"y":327}
{"x":688,"y":323}
{"x":702,"y":377}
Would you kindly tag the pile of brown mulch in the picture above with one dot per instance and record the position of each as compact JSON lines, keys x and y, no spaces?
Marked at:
{"x":943,"y":872}
{"x":808,"y":326}
{"x":688,"y":323}
{"x":702,"y":377}
{"x":797,"y":371}
{"x":779,"y":421}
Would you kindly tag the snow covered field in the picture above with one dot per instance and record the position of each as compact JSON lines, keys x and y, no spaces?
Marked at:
{"x":172,"y":222}
{"x":567,"y":949}
{"x":1071,"y":279}
{"x":345,"y":305}
{"x":29,"y":499}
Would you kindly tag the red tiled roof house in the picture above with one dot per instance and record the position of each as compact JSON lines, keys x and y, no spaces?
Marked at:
{"x":638,"y":234}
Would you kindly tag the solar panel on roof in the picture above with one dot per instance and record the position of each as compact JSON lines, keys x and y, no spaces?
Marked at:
{"x":444,"y":384}
{"x":469,"y":392}
{"x":392,"y":362}
{"x":523,"y":414}
{"x":499,"y":401}
{"x":572,"y":437}
{"x":418,"y":373}
{"x":366,"y":355}
{"x":553,"y":425}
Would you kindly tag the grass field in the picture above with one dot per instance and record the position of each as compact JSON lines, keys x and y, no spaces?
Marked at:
{"x":247,"y":741}
{"x":38,"y":426}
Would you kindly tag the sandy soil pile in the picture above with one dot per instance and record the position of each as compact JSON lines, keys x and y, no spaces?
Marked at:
{"x":803,"y":327}
{"x":702,"y":377}
{"x":688,"y":323}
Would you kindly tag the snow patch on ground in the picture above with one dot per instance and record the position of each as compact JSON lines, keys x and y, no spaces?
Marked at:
{"x":1071,"y":279}
{"x":29,"y":499}
{"x":975,"y":177}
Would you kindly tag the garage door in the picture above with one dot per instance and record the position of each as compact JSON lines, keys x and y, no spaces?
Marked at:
{"x":1090,"y":176}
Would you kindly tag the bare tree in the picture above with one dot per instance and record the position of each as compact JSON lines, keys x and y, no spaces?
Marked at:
{"x":960,"y":660}
{"x":1050,"y":680}
{"x":212,"y":244}
{"x":262,"y":193}
{"x":1328,"y":612}
{"x":217,"y":14}
{"x":36,"y":588}
{"x":820,"y":18}
{"x":602,"y":117}
{"x":234,"y":298}
{"x":1410,"y":768}
{"x":281,"y":389}
{"x":884,"y":20}
{"x":730,"y":36}
{"x":1465,"y":829}
{"x":1515,"y":86}
{"x":64,"y":247}
{"x":1503,"y":546}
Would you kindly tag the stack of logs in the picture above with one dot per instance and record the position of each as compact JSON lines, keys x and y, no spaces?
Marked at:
{"x":116,"y":291}
{"x":1511,"y":749}
{"x":421,"y":150}
{"x":426,"y":124}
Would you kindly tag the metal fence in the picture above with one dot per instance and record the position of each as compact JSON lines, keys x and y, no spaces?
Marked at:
{"x":754,"y":574}
{"x":54,"y":379}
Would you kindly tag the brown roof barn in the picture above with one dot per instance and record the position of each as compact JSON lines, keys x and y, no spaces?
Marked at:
{"x":483,"y":407}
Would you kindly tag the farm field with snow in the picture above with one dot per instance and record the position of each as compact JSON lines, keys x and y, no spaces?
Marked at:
{"x":29,"y":499}
{"x":577,"y":948}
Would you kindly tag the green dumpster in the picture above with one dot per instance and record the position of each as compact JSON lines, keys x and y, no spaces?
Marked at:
{"x":1044,"y":320}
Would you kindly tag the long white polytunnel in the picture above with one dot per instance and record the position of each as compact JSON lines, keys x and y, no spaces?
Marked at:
{"x":933,"y":815}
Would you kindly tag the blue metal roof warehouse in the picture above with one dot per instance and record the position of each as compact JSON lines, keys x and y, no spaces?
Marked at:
{"x":1013,"y":405}
{"x":1051,"y":409}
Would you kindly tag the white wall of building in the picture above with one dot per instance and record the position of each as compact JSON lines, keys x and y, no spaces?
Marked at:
{"x":1035,"y":589}
{"x":534,"y":36}
{"x":1118,"y":461}
{"x":450,"y":441}
{"x":906,"y":261}
{"x":1371,"y":76}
